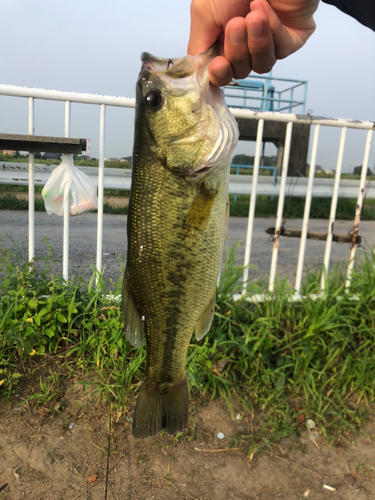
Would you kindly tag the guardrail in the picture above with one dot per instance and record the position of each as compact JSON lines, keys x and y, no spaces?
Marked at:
{"x":253,"y":185}
{"x":16,"y":174}
{"x":250,"y":167}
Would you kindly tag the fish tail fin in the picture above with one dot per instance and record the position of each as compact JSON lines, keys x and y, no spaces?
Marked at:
{"x":155,"y":412}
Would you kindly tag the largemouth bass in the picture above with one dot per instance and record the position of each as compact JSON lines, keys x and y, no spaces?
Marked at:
{"x":178,"y":211}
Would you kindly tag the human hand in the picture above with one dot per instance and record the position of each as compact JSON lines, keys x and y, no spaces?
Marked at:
{"x":251,"y":34}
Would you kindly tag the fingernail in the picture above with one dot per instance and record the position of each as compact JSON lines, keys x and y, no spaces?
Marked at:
{"x":237,"y":35}
{"x":255,"y":30}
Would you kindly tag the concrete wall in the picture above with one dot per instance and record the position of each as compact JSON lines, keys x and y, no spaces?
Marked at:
{"x":275,"y":132}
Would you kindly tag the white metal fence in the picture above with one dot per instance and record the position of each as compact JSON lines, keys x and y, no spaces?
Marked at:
{"x":238,"y":185}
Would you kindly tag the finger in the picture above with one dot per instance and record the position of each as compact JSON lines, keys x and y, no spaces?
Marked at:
{"x":220,"y":71}
{"x":260,"y":41}
{"x":236,"y":48}
{"x":287,"y":39}
{"x":203,"y":29}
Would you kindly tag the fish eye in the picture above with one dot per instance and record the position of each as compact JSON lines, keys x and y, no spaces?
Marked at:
{"x":154,"y":98}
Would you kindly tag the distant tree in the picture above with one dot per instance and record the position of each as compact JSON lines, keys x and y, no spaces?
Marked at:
{"x":358,"y":170}
{"x":269,"y":161}
{"x":38,"y":156}
{"x":243,"y":160}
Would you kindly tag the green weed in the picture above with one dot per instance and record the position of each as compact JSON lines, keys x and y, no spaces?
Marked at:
{"x":266,"y":206}
{"x":284,"y":361}
{"x":48,"y":391}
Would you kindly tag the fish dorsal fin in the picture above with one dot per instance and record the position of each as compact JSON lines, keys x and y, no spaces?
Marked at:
{"x":204,"y":323}
{"x":133,"y":324}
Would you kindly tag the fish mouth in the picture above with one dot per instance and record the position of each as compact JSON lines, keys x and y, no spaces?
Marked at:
{"x":172,"y":71}
{"x":201,"y":170}
{"x":180,"y":66}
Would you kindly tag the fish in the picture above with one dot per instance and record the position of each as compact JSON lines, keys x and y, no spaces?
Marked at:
{"x":184,"y":135}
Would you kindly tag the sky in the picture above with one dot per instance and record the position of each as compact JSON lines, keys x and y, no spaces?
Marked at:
{"x":95,"y":47}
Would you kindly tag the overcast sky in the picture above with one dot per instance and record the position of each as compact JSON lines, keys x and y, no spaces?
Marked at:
{"x":95,"y":47}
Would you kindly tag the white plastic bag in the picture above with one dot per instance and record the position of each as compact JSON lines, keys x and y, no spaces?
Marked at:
{"x":68,"y":180}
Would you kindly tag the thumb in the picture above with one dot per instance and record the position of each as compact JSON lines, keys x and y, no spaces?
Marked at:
{"x":203,"y":29}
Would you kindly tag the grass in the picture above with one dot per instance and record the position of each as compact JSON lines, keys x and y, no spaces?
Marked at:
{"x":10,"y":201}
{"x":77,"y":161}
{"x":283,"y":361}
{"x":266,"y":206}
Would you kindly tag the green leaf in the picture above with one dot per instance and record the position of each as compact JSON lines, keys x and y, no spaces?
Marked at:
{"x":280,"y":382}
{"x":280,"y":362}
{"x":32,"y":303}
{"x":6,"y":283}
{"x":61,"y":318}
{"x":244,"y":348}
{"x":43,"y":312}
{"x":49,"y":332}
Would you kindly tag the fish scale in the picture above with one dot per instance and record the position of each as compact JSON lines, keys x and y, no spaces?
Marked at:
{"x":176,"y":226}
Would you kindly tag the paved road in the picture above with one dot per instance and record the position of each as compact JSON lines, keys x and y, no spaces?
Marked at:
{"x":14,"y":228}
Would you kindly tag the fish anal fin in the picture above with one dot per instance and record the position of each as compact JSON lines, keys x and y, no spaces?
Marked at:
{"x":133,"y":324}
{"x":156,"y":410}
{"x":204,"y":323}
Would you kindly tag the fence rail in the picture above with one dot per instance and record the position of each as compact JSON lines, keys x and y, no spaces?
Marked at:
{"x":252,"y":185}
{"x":271,"y":99}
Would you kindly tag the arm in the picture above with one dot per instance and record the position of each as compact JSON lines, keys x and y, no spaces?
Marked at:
{"x":252,"y":35}
{"x":362,"y":10}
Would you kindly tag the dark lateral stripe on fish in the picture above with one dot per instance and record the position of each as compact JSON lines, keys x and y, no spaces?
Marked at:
{"x":173,"y":314}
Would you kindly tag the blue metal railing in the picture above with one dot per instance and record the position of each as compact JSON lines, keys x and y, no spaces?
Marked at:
{"x":271,"y":99}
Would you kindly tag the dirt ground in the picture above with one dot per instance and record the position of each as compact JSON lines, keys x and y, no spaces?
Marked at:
{"x":58,"y":451}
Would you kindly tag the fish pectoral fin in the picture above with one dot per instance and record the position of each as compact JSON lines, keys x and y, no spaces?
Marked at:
{"x":133,"y":324}
{"x":182,"y":154}
{"x":226,"y":216}
{"x":204,"y":323}
{"x":199,"y":212}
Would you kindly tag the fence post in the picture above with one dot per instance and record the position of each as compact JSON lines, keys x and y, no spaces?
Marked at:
{"x":99,"y":243}
{"x":332,"y":215}
{"x":280,"y":206}
{"x":306,"y":215}
{"x":250,"y":220}
{"x":66,"y":205}
{"x":31,"y":186}
{"x":361,"y":197}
